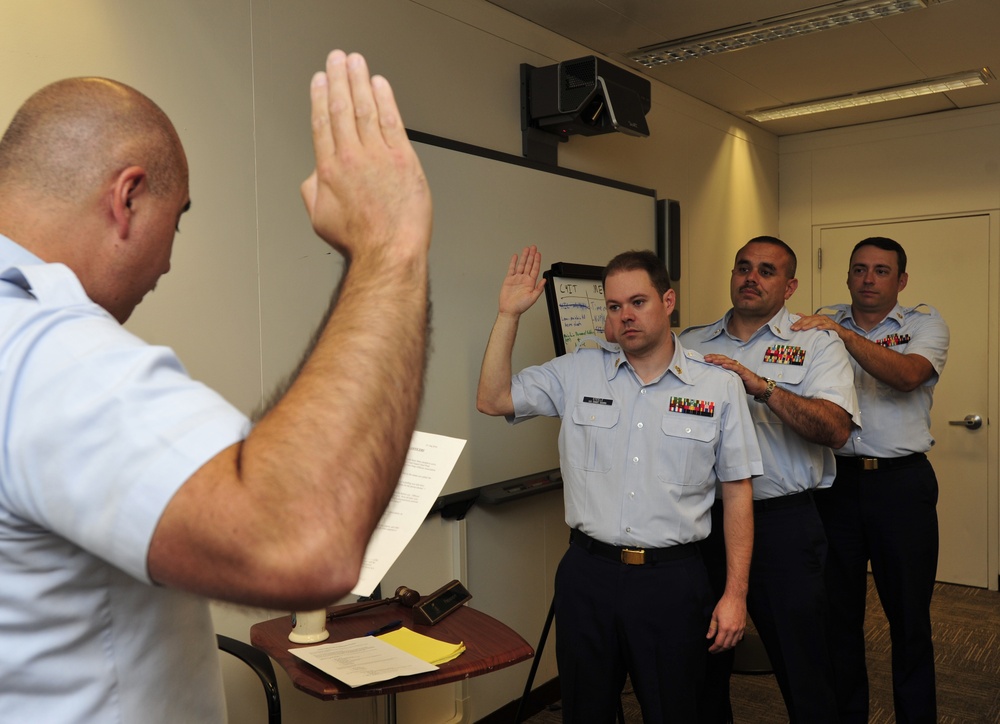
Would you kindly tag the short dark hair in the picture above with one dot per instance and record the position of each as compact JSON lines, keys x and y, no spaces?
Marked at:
{"x":647,"y":261}
{"x":885,"y":244}
{"x":775,"y":241}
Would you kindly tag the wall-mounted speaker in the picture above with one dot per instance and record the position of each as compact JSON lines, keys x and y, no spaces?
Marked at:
{"x":668,"y":235}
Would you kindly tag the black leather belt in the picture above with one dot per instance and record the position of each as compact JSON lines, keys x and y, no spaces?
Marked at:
{"x":782,"y":501}
{"x":631,"y":556}
{"x":864,"y":463}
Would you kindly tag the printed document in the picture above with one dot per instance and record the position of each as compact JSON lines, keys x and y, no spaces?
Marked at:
{"x":428,"y":464}
{"x":363,"y":660}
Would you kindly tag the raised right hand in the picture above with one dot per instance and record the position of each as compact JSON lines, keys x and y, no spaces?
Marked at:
{"x":368,"y":191}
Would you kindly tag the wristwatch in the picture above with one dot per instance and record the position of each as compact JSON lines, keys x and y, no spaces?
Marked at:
{"x":768,"y":391}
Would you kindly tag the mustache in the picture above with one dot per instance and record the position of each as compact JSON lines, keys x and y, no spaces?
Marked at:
{"x":750,"y":288}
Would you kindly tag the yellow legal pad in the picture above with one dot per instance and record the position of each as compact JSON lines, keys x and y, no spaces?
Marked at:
{"x":423,"y":647}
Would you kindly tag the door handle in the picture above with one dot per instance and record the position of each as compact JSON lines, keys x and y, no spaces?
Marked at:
{"x":971,"y":422}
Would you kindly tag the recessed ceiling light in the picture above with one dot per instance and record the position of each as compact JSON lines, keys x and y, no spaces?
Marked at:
{"x":826,"y":17}
{"x":957,"y":81}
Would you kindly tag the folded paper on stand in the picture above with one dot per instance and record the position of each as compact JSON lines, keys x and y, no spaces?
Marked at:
{"x":363,"y":660}
{"x":428,"y":649}
{"x":429,"y":462}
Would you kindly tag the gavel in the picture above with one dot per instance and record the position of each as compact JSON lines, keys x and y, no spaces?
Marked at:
{"x":404,"y":597}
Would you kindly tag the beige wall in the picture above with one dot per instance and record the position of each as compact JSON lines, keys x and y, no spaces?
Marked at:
{"x":249,"y":281}
{"x":937,"y":164}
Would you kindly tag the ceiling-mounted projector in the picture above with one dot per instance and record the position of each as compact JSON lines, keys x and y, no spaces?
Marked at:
{"x":586,"y":96}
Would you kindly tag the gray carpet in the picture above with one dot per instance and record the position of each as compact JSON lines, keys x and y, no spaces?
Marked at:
{"x":966,"y":630}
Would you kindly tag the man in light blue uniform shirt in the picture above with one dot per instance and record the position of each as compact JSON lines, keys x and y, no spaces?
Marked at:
{"x":882,"y":507}
{"x":80,"y":621}
{"x":650,"y":435}
{"x":802,"y":401}
{"x":130,"y":494}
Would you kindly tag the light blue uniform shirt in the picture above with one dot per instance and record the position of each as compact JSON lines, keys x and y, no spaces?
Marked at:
{"x":98,"y":431}
{"x":640,"y":462}
{"x":812,"y":363}
{"x":896,"y":423}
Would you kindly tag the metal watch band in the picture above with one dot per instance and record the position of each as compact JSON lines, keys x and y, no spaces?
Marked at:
{"x":766,"y":394}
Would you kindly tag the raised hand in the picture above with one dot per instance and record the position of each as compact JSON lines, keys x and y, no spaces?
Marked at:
{"x":368,"y":192}
{"x":521,"y":287}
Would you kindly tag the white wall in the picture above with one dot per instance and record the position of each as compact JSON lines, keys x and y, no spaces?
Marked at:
{"x":234,"y":77}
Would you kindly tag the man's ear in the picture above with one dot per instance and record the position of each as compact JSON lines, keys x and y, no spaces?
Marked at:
{"x":670,"y":300}
{"x":129,"y":184}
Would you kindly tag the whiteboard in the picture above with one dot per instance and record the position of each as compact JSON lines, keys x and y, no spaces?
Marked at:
{"x":574,"y":294}
{"x":487,"y":207}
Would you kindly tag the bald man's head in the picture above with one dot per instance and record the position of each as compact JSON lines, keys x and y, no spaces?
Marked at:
{"x":72,"y":136}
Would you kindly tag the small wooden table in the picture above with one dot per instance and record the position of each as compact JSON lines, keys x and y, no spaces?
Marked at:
{"x":489,"y":645}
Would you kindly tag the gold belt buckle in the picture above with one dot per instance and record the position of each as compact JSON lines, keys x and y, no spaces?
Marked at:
{"x":633,"y":557}
{"x":869,"y":463}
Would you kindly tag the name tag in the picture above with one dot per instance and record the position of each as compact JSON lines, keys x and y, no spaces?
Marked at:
{"x":598,"y":401}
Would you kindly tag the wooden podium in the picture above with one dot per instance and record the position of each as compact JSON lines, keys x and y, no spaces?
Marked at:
{"x":489,"y":645}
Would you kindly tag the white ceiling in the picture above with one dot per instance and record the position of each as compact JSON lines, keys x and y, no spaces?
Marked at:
{"x":949,"y":36}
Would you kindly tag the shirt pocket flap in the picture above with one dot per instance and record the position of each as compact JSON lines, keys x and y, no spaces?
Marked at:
{"x":596,"y":415}
{"x":689,"y":427}
{"x":787,"y":374}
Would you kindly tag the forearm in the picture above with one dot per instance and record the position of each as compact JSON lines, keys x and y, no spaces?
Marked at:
{"x":493,"y":396}
{"x":737,"y":522}
{"x":307,"y":487}
{"x":355,"y":402}
{"x":902,"y":372}
{"x":730,"y":615}
{"x":819,"y":421}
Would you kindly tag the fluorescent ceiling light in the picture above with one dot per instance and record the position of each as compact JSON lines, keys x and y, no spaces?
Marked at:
{"x":969,"y":79}
{"x":826,"y":17}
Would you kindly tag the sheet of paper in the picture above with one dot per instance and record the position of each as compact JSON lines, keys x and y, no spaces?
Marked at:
{"x":361,"y":661}
{"x":428,"y":464}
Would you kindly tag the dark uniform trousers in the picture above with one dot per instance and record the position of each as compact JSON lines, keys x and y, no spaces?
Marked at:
{"x":888,"y":516}
{"x":787,"y":602}
{"x":648,"y":622}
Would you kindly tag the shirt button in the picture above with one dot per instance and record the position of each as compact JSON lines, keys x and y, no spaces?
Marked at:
{"x":628,"y":529}
{"x":642,"y":391}
{"x":687,"y":430}
{"x":635,"y":459}
{"x":631,"y":495}
{"x":593,"y":417}
{"x":639,"y":425}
